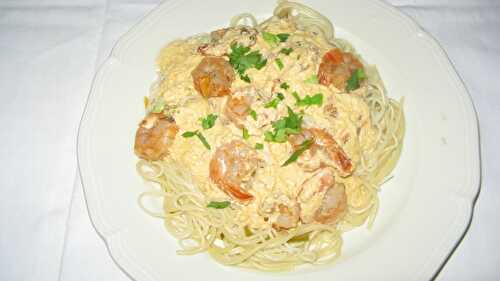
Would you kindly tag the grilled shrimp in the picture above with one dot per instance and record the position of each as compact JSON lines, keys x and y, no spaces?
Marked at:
{"x":337,"y":67}
{"x":213,"y":77}
{"x":321,"y":199}
{"x":331,"y":152}
{"x":232,"y":168}
{"x":154,"y":136}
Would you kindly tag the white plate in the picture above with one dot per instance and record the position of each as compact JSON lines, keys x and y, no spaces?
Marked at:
{"x":424,"y":210}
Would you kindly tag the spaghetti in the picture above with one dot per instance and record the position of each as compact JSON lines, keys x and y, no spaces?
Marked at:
{"x":307,"y":146}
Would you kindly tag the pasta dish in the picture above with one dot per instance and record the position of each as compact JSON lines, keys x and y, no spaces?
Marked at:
{"x":267,"y":141}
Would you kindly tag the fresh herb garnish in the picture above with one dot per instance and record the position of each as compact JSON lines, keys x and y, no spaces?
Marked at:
{"x":283,"y":36}
{"x":274,"y":102}
{"x":295,"y":155}
{"x":259,"y":146}
{"x":203,"y":140}
{"x":245,"y":78}
{"x":209,"y":121}
{"x":275,"y":39}
{"x":218,"y":205}
{"x":355,"y":79}
{"x":270,"y":38}
{"x":242,"y":59}
{"x":190,"y":134}
{"x":284,"y":86}
{"x":245,"y":133}
{"x":289,"y":125}
{"x":286,"y":51}
{"x":317,"y":99}
{"x":279,"y":63}
{"x":313,"y":79}
{"x":253,"y":114}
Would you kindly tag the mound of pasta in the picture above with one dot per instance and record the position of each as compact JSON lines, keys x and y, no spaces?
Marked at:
{"x":267,"y":141}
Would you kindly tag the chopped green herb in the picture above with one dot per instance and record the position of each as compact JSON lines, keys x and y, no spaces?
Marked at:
{"x":253,"y":114}
{"x":279,"y":63}
{"x":313,"y":79}
{"x":270,"y":38}
{"x":245,"y":78}
{"x":245,"y":134}
{"x":274,"y":39}
{"x":218,"y":205}
{"x":274,"y":102}
{"x":284,"y":86}
{"x":317,"y":99}
{"x":289,"y":125}
{"x":355,"y":79}
{"x":286,"y":51}
{"x":295,"y":155}
{"x":268,"y":136}
{"x":158,"y":106}
{"x":242,"y":59}
{"x":259,"y":146}
{"x":190,"y":134}
{"x":283,"y":36}
{"x":260,"y":61}
{"x":209,"y":121}
{"x":203,"y":140}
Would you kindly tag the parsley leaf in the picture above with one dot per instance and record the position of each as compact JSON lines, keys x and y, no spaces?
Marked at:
{"x":355,"y":79}
{"x":245,"y":134}
{"x":313,"y":79}
{"x":203,"y":140}
{"x":275,"y":39}
{"x":218,"y":205}
{"x":286,"y":51}
{"x":283,"y":36}
{"x":245,"y":78}
{"x":295,"y":155}
{"x":253,"y":114}
{"x":289,"y":125}
{"x":284,"y":86}
{"x":190,"y":134}
{"x":209,"y":121}
{"x":270,"y":38}
{"x":242,"y":59}
{"x":259,"y":146}
{"x":317,"y":99}
{"x":274,"y":102}
{"x":279,"y":63}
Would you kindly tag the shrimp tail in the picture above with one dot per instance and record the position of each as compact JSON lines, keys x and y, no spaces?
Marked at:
{"x":236,"y":192}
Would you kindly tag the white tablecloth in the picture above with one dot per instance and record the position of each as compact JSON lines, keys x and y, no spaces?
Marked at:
{"x":49,"y":52}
